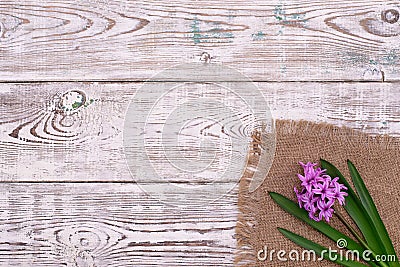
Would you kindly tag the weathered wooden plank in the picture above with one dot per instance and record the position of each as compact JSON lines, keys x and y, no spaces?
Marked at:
{"x":297,"y":40}
{"x":110,"y":225}
{"x":40,"y":141}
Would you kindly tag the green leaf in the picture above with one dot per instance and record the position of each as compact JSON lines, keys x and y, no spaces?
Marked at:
{"x":356,"y":210}
{"x":319,"y":250}
{"x":292,"y":208}
{"x":372,"y":211}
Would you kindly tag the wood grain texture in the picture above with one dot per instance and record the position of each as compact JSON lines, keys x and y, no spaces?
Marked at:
{"x":97,"y":225}
{"x":66,"y":194}
{"x":277,"y":40}
{"x":44,"y":137}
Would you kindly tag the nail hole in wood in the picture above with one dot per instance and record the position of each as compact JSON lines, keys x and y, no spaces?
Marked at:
{"x":205,"y":57}
{"x":391,"y":16}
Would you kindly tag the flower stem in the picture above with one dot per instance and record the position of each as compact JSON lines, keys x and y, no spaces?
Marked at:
{"x":356,"y":235}
{"x":359,"y":238}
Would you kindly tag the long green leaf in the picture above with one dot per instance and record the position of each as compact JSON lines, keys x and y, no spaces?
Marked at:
{"x":310,"y":245}
{"x":292,"y":208}
{"x":356,"y":210}
{"x":372,"y":211}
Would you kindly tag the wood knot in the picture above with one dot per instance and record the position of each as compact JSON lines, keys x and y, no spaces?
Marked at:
{"x":72,"y":100}
{"x":390,"y":16}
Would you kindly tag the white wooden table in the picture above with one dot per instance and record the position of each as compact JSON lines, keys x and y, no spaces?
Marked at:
{"x":68,"y":198}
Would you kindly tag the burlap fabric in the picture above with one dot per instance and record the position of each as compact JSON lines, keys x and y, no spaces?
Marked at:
{"x":377,"y":159}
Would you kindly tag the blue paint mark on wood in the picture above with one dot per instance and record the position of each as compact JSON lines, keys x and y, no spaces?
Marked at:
{"x":373,"y":66}
{"x":391,"y":58}
{"x":259,"y":36}
{"x":196,"y":31}
{"x":386,"y":58}
{"x":280,"y":14}
{"x":284,"y":18}
{"x":283,"y":69}
{"x":213,"y":35}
